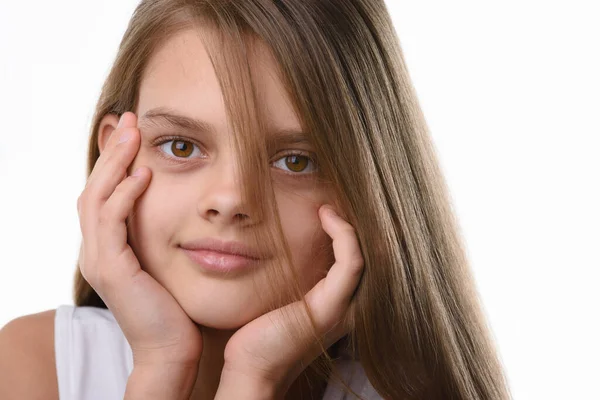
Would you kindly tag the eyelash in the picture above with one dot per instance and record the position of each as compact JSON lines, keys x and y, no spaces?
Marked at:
{"x":159,"y":142}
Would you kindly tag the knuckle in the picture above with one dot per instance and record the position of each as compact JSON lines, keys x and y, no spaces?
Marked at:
{"x":80,"y":210}
{"x":358,"y":260}
{"x":81,"y":199}
{"x":104,"y":215}
{"x":359,"y":263}
{"x":91,"y":193}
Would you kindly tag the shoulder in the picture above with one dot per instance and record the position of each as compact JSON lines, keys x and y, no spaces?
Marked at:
{"x":27,"y":365}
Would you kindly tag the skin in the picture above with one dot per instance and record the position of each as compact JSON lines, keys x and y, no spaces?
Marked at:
{"x":198,"y":197}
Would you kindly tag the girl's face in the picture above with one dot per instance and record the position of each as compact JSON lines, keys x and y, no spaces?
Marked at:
{"x":193,"y":194}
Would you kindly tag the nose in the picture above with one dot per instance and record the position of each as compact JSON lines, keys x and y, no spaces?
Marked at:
{"x":221,"y":199}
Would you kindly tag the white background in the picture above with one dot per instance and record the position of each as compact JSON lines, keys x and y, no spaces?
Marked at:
{"x":511,"y":93}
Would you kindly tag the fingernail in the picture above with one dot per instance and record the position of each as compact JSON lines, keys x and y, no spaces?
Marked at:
{"x":125,"y":136}
{"x":137,"y":172}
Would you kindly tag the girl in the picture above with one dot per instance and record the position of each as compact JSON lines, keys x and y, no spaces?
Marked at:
{"x":264,"y":217}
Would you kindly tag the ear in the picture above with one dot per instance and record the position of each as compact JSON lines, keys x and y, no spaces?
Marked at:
{"x":107,"y":126}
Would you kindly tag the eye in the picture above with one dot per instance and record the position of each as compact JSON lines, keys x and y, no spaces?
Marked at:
{"x":179,"y":148}
{"x":296,"y":163}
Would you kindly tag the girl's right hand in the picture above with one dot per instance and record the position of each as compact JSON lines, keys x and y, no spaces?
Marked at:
{"x":158,"y":330}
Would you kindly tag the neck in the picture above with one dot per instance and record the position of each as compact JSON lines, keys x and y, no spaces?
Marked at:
{"x":307,"y":386}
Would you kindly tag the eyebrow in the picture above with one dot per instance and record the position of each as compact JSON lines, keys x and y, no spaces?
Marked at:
{"x":165,"y":117}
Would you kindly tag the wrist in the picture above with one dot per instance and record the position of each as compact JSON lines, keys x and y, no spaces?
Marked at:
{"x":161,"y":381}
{"x":235,"y":384}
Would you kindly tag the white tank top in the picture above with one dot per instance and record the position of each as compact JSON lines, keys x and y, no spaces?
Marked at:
{"x":94,"y":359}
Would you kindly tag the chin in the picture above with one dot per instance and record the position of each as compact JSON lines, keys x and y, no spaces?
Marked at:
{"x":219,"y":305}
{"x":220,"y":318}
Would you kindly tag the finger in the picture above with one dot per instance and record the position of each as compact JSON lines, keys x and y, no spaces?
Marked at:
{"x":292,"y":356}
{"x":127,"y":120}
{"x":114,"y":167}
{"x":109,"y":174}
{"x":330,"y":299}
{"x":118,"y":263}
{"x":112,"y":230}
{"x":344,"y":275}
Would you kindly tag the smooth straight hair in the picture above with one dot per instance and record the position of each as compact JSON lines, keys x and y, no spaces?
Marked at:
{"x":417,"y":323}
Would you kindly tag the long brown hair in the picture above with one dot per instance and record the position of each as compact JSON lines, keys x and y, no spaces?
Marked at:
{"x":418,"y":327}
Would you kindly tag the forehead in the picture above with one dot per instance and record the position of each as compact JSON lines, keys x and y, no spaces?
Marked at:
{"x":180,"y":76}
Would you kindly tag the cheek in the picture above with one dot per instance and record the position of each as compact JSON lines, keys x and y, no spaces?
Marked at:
{"x":154,"y":218}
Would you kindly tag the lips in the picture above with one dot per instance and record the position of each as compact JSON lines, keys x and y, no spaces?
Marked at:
{"x":221,"y":256}
{"x":220,"y":262}
{"x":220,"y":246}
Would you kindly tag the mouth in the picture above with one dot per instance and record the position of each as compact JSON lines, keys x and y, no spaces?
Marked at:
{"x":215,"y":261}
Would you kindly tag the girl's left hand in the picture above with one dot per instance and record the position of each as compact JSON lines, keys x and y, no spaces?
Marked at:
{"x":260,"y":353}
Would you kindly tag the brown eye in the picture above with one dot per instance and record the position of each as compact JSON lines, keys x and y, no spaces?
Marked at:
{"x":178,"y":148}
{"x":182,"y":148}
{"x":297,"y":164}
